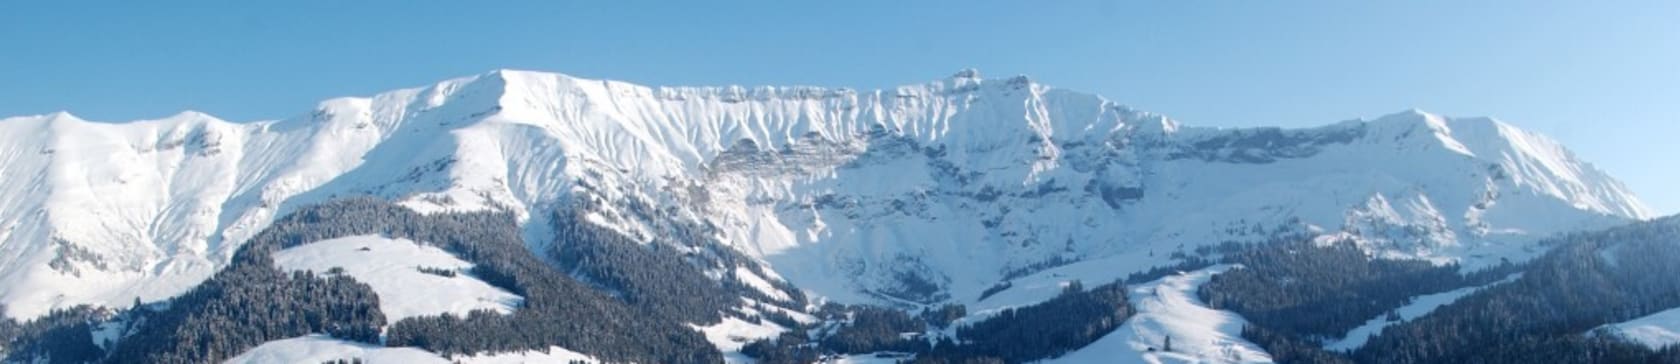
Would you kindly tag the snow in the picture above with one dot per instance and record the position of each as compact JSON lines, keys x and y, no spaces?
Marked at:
{"x":1420,"y":306}
{"x":108,"y":333}
{"x":1041,"y":286}
{"x":321,"y":348}
{"x":958,"y":181}
{"x":1656,"y":331}
{"x":554,"y":354}
{"x":389,"y":266}
{"x":872,"y":358}
{"x":733,"y":333}
{"x":1168,"y":307}
{"x":759,"y":283}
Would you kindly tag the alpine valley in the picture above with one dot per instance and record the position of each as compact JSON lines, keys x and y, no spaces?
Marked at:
{"x":519,"y":216}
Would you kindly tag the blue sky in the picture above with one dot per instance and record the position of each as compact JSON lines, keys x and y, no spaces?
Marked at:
{"x":1602,"y":76}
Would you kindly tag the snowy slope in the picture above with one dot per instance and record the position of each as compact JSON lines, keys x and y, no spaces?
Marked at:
{"x":1658,"y":330}
{"x":1420,"y":306}
{"x":733,"y":333}
{"x":1168,"y":308}
{"x":391,"y":268}
{"x":554,"y":354}
{"x":318,"y":349}
{"x":865,"y":359}
{"x":857,"y":196}
{"x":106,"y":212}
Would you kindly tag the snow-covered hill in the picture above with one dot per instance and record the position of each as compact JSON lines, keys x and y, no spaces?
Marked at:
{"x":1656,"y":331}
{"x":395,"y":269}
{"x":1173,"y":326}
{"x":918,"y":194}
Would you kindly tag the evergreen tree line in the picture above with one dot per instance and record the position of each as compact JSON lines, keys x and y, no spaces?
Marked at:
{"x":1317,"y":292}
{"x":251,"y":302}
{"x":943,"y":316}
{"x":841,"y":329}
{"x":436,"y":271}
{"x":666,"y":275}
{"x":1587,"y":280}
{"x":246,"y":305}
{"x":1296,"y":294}
{"x":1184,"y":265}
{"x":874,"y":329}
{"x":642,"y":267}
{"x":1075,"y":318}
{"x":1071,"y":320}
{"x":62,"y":336}
{"x":654,"y":278}
{"x":558,"y":310}
{"x":622,"y":300}
{"x":1291,"y":348}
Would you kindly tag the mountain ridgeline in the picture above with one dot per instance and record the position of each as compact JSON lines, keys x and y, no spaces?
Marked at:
{"x":962,"y":220}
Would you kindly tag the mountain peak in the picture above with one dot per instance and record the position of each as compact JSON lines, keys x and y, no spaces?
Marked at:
{"x":531,"y":142}
{"x":515,"y":76}
{"x":62,"y":115}
{"x":1528,"y":158}
{"x":1413,"y":116}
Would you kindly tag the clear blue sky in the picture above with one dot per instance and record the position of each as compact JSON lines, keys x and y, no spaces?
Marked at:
{"x":1602,"y":76}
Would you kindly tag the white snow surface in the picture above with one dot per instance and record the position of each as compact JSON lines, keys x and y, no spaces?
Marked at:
{"x":390,"y":267}
{"x":321,"y":348}
{"x":1420,"y":306}
{"x":554,"y":354}
{"x":759,"y":283}
{"x":729,"y":335}
{"x":1656,"y":331}
{"x":1168,"y":307}
{"x":872,"y":358}
{"x":733,"y":333}
{"x":957,"y":182}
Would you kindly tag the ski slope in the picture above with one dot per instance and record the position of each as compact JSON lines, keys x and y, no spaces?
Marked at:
{"x":1168,"y":307}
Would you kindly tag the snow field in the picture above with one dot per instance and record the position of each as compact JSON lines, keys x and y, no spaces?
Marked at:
{"x":392,"y":268}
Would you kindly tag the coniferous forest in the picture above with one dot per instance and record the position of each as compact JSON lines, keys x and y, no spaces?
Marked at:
{"x":252,"y":302}
{"x":1296,"y":294}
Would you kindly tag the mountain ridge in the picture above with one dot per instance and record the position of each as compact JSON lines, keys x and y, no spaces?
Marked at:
{"x":804,"y":178}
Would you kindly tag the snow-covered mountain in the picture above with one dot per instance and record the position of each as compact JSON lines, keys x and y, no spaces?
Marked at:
{"x":925,"y":193}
